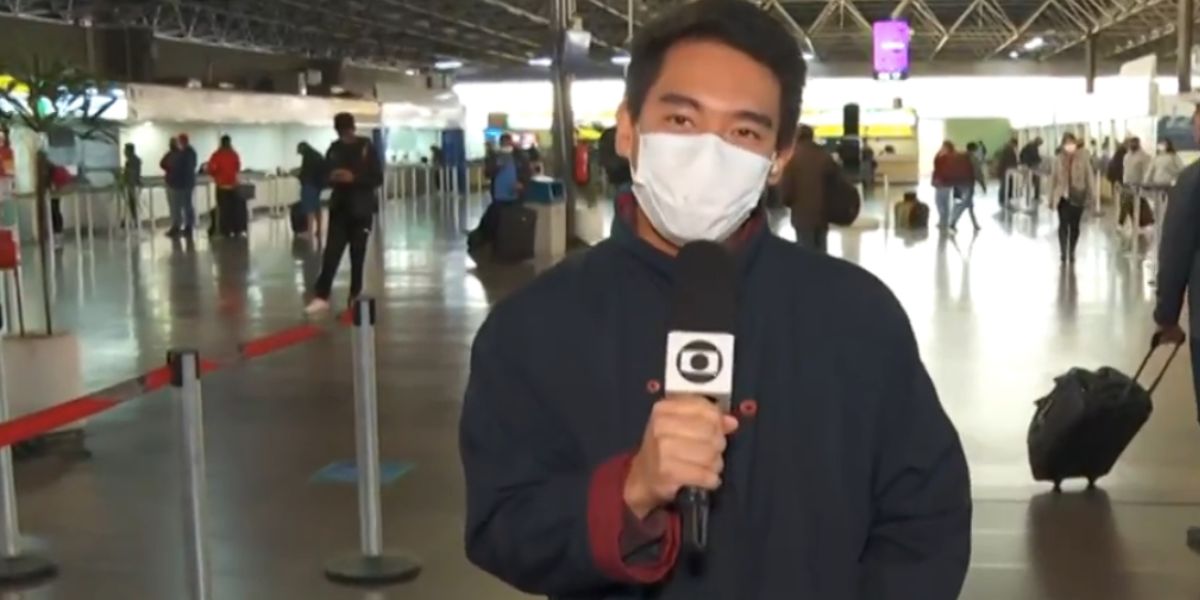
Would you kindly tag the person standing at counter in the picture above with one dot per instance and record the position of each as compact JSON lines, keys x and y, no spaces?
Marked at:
{"x":224,"y":166}
{"x":355,"y":175}
{"x":180,"y":166}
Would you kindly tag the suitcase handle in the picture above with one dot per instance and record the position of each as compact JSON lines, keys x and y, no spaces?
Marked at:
{"x":1155,"y":343}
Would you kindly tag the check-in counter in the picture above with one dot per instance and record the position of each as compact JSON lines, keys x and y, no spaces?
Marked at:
{"x":899,"y":169}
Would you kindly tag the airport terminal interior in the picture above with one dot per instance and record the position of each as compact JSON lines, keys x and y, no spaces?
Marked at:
{"x":102,"y":479}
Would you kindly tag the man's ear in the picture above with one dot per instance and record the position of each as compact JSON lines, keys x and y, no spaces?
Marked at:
{"x":626,"y":132}
{"x":782,"y":158}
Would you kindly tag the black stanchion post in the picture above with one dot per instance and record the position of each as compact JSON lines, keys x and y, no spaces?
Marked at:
{"x":371,"y":565}
{"x":185,"y":384}
{"x":16,"y":565}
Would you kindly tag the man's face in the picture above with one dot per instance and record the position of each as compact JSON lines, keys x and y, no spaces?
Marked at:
{"x":707,"y":87}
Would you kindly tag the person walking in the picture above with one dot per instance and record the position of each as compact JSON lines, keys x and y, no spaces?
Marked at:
{"x":1031,"y":159}
{"x":966,"y":203}
{"x":1136,"y":167}
{"x":1071,"y":186}
{"x":313,"y":178}
{"x":816,"y":190}
{"x":180,"y":165}
{"x":131,"y":181}
{"x":951,"y":178}
{"x":355,"y":174}
{"x":1166,"y":166}
{"x":1005,"y":163}
{"x":224,"y":166}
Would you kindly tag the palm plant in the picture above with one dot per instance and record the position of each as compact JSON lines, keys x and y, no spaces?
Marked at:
{"x":52,"y":96}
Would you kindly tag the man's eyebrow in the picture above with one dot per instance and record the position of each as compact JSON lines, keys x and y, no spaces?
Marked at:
{"x":679,"y":100}
{"x":756,"y":117}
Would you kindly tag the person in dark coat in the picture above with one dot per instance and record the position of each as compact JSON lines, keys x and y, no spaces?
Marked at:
{"x":1031,"y":158}
{"x":817,"y":191}
{"x":1005,"y":162}
{"x":1179,"y":263}
{"x":180,"y":165}
{"x":837,"y":476}
{"x":313,"y":179}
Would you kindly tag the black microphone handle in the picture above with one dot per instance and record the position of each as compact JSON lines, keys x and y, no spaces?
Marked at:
{"x":693,"y":514}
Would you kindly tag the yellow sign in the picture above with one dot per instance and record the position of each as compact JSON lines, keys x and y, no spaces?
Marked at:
{"x":6,"y":80}
{"x":878,"y":130}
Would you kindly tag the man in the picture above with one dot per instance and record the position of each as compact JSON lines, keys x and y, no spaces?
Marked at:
{"x":1179,"y":262}
{"x":355,"y":175}
{"x":1007,"y":162}
{"x":312,"y":180}
{"x":1136,"y":166}
{"x":814,"y":187}
{"x":509,"y":172}
{"x":181,"y":186}
{"x":131,"y":180}
{"x":840,"y":477}
{"x":1031,"y":158}
{"x":224,"y":166}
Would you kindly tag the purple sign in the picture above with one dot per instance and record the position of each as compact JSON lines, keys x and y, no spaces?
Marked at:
{"x":891,"y":49}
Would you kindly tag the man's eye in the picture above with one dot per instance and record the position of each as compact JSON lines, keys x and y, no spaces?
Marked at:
{"x":679,"y":121}
{"x":747,"y":134}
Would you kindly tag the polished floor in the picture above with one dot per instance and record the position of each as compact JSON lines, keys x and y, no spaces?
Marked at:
{"x":996,"y":316}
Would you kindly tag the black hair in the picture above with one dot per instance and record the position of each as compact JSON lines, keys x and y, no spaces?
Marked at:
{"x":506,"y":138}
{"x":805,"y":134}
{"x":1169,"y":144}
{"x":972,"y":146}
{"x":742,"y":26}
{"x":226,"y":141}
{"x":343,"y":121}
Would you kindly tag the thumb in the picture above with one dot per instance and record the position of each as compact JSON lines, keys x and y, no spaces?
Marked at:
{"x":729,"y":424}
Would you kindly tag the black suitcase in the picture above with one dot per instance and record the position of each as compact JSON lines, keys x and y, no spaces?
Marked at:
{"x":515,"y":233}
{"x":1081,"y":428}
{"x":233,"y":215}
{"x":299,"y":219}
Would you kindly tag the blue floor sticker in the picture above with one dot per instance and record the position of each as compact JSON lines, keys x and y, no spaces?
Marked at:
{"x":345,"y":471}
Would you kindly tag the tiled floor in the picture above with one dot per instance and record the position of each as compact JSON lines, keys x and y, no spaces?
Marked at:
{"x":996,"y":317}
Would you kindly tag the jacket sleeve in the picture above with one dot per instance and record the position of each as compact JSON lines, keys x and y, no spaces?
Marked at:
{"x":920,"y":537}
{"x":537,"y":518}
{"x":1177,"y":250}
{"x":371,"y":176}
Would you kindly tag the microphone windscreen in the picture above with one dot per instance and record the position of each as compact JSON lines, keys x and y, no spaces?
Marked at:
{"x":704,"y":294}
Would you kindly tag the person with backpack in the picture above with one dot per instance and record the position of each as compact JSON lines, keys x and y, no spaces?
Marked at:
{"x":355,"y":174}
{"x":1071,"y":186}
{"x":510,"y":174}
{"x":817,"y":192}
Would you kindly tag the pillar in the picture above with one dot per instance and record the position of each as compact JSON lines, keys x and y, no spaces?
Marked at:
{"x":564,"y":118}
{"x":1090,"y":57}
{"x":1183,"y":34}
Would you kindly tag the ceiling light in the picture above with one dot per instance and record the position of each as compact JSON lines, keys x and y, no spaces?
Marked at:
{"x":1014,"y":55}
{"x":411,"y":72}
{"x":541,"y":61}
{"x":447,"y":65}
{"x":621,"y":59}
{"x":1035,"y":43}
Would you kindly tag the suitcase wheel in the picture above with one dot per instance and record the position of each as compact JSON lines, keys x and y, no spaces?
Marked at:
{"x":1091,"y":483}
{"x":1057,"y":486}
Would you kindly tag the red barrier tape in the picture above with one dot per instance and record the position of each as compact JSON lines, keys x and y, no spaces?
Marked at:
{"x":34,"y":424}
{"x":49,"y":419}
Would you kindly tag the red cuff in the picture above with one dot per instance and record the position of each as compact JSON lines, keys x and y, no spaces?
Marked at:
{"x":607,"y":519}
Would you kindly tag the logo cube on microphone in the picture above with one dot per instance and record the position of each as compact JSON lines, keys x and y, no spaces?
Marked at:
{"x":700,"y":363}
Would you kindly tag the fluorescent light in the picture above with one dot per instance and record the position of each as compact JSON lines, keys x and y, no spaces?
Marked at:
{"x":621,"y":59}
{"x":411,"y":72}
{"x":1014,"y":55}
{"x":1035,"y":43}
{"x":541,"y":61}
{"x":447,"y":65}
{"x":809,"y":56}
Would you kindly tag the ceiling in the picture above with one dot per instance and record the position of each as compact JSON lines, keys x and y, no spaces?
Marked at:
{"x":510,"y":32}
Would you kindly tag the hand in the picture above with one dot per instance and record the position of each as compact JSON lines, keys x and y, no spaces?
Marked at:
{"x":682,"y":446}
{"x":1169,"y":334}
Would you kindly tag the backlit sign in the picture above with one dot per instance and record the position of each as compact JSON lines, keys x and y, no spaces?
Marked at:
{"x":891,"y":49}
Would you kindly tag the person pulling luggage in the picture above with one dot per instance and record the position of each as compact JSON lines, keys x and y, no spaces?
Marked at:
{"x":355,"y":174}
{"x":511,"y":173}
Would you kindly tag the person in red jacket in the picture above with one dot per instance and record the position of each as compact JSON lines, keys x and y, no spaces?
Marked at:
{"x":224,"y":166}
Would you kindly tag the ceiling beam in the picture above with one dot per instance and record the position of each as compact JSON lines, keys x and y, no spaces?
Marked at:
{"x":1024,"y":28}
{"x":440,"y":16}
{"x":1126,"y":12}
{"x":954,"y":27}
{"x":796,"y":28}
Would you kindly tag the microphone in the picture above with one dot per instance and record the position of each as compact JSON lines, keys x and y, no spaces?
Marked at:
{"x":700,"y":352}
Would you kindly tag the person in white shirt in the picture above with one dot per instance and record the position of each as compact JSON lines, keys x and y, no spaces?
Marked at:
{"x":1137,"y":165}
{"x":1166,"y":166}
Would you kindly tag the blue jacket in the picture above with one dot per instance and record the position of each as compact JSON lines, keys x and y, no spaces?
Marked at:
{"x":181,"y":174}
{"x":845,"y":481}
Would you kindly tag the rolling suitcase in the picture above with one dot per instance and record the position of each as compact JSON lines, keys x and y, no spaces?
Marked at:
{"x":515,"y":232}
{"x":1081,"y":428}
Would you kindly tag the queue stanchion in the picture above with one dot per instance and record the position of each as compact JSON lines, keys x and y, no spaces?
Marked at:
{"x":371,"y":565}
{"x":185,"y":382}
{"x":16,"y":565}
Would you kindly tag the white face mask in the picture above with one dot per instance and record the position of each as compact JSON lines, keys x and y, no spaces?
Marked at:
{"x":696,"y":187}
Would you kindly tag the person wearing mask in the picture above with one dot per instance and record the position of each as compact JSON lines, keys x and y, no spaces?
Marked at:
{"x":181,"y":164}
{"x":1031,"y":159}
{"x":224,"y":166}
{"x":131,"y":181}
{"x":510,"y":174}
{"x":816,"y":190}
{"x":1166,"y":166}
{"x":1071,"y":186}
{"x":1136,"y":167}
{"x":1179,"y":264}
{"x":354,"y":174}
{"x":1006,"y":163}
{"x":312,"y":180}
{"x":967,"y":202}
{"x":838,"y":476}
